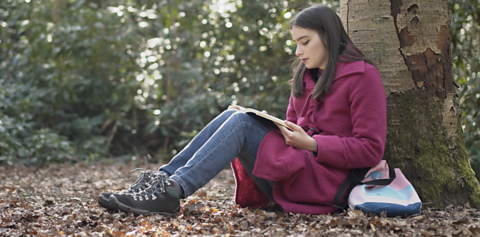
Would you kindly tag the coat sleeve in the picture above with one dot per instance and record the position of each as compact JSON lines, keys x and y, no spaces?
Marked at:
{"x":368,"y":108}
{"x":291,"y":113}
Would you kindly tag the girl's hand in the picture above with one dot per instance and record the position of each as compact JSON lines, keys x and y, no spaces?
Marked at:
{"x":297,"y":137}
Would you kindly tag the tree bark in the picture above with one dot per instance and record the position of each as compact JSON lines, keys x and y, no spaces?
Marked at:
{"x":410,"y":44}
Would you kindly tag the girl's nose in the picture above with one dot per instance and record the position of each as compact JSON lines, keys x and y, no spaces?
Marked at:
{"x":298,"y":52}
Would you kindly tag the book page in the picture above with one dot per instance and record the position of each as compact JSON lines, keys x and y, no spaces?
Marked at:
{"x":259,"y":114}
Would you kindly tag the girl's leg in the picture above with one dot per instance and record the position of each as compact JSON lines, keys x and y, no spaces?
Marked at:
{"x":184,"y":156}
{"x":240,"y":134}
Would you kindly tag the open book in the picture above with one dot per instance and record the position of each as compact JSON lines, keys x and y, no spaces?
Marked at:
{"x":263,"y":117}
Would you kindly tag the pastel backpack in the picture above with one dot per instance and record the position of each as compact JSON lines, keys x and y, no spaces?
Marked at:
{"x":378,"y":189}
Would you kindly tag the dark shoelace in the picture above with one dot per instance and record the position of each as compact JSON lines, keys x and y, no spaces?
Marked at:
{"x":141,"y":183}
{"x":157,"y":185}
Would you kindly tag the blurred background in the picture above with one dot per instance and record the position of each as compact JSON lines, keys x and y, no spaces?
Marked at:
{"x":124,"y":80}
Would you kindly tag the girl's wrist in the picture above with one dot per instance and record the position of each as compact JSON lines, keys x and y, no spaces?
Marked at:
{"x":313,"y":145}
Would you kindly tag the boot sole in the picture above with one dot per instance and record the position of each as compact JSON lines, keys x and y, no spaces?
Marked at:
{"x":127,"y":209}
{"x":105,"y":203}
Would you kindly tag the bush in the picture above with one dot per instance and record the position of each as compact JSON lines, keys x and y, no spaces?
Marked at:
{"x":115,"y":78}
{"x":465,"y":28}
{"x":89,"y":79}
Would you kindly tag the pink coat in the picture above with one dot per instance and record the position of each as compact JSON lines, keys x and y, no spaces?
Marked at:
{"x":352,"y":127}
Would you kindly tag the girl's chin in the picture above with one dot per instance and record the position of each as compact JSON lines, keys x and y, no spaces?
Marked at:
{"x":309,"y":67}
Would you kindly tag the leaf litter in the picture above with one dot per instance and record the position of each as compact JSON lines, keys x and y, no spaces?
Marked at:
{"x":61,"y":200}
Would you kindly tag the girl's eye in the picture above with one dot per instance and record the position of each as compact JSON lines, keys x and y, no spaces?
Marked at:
{"x":306,"y":42}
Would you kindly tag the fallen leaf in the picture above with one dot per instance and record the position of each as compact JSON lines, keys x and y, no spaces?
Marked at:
{"x":62,"y":199}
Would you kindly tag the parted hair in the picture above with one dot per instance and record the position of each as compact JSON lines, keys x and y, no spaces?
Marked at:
{"x":329,"y":27}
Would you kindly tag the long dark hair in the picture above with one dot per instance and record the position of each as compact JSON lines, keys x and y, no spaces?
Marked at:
{"x":326,"y":22}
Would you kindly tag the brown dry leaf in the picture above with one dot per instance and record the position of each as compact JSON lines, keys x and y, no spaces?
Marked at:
{"x":381,"y":221}
{"x":356,"y":213}
{"x":193,"y":205}
{"x":461,"y":222}
{"x":202,"y":193}
{"x":46,"y":201}
{"x":475,"y":230}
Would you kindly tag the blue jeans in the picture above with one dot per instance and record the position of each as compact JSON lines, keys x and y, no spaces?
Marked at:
{"x":231,"y":134}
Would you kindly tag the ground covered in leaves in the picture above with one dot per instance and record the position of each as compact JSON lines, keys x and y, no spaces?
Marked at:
{"x":61,"y":200}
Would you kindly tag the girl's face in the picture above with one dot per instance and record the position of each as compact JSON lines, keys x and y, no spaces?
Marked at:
{"x":310,"y":48}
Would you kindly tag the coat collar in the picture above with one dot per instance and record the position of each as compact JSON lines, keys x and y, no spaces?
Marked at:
{"x":349,"y":68}
{"x":343,"y":69}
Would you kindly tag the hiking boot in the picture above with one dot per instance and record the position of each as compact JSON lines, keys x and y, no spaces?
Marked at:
{"x":161,"y":197}
{"x":103,"y":201}
{"x":141,"y":183}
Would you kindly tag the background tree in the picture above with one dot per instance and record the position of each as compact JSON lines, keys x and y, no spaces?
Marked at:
{"x":89,"y":79}
{"x":92,"y":79}
{"x":410,"y":42}
{"x":464,"y":32}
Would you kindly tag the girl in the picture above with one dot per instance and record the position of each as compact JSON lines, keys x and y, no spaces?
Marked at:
{"x":337,"y":112}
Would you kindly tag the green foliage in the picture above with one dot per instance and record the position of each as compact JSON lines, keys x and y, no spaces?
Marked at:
{"x":86,"y":79}
{"x":67,"y":76}
{"x":465,"y":29}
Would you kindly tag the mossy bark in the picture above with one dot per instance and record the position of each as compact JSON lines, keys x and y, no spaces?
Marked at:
{"x":419,"y":145}
{"x":409,"y":41}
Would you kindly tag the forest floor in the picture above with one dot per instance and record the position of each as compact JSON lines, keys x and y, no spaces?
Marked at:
{"x":61,"y":200}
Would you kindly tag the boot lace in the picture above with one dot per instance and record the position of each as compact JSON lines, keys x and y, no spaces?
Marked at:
{"x":142,"y":181}
{"x":157,"y":185}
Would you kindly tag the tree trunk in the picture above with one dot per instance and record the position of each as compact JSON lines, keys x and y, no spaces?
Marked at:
{"x":409,"y":41}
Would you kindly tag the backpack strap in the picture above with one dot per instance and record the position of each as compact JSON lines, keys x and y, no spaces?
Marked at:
{"x":391,"y":175}
{"x":348,"y":184}
{"x":355,"y":178}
